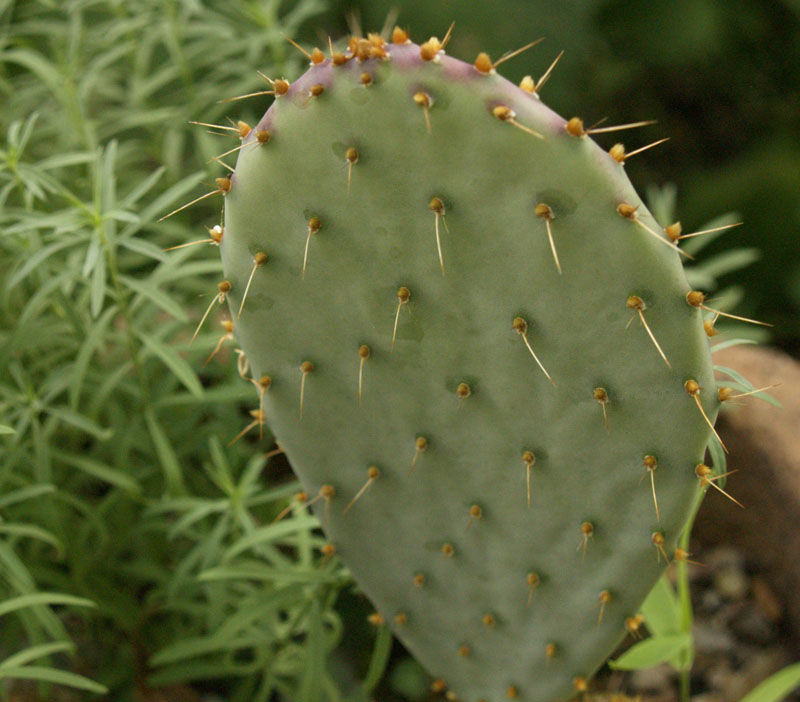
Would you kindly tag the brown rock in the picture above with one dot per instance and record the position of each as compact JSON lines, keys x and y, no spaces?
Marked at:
{"x":766,"y":600}
{"x":764,"y":445}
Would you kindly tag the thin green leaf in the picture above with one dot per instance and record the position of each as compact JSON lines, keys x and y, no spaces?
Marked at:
{"x":156,"y":296}
{"x":182,"y":370}
{"x":93,"y":253}
{"x":38,"y":65}
{"x":698,"y":280}
{"x":662,"y":202}
{"x":264,"y":573}
{"x":121,"y":216}
{"x":695,"y":245}
{"x":67,"y":159}
{"x":747,"y":385}
{"x":270,"y":534}
{"x":652,"y":652}
{"x":143,"y":188}
{"x":31,"y":531}
{"x":60,"y":677}
{"x":195,"y":515}
{"x":144,"y":248}
{"x":214,"y":669}
{"x":728,"y":299}
{"x":254,"y":609}
{"x":766,"y":397}
{"x":94,"y":339}
{"x":199,"y":646}
{"x":738,"y":377}
{"x":15,"y":573}
{"x":160,"y":204}
{"x":380,"y":658}
{"x":33,"y":262}
{"x":222,"y":476}
{"x":33,"y":599}
{"x":166,"y":454}
{"x":20,"y":132}
{"x":80,"y":422}
{"x":101,"y":471}
{"x":719,"y":462}
{"x":776,"y":687}
{"x":34,"y":652}
{"x":107,"y":174}
{"x":660,"y":609}
{"x":314,"y":669}
{"x":728,"y":262}
{"x":98,"y":287}
{"x":731,"y":342}
{"x":26,"y":493}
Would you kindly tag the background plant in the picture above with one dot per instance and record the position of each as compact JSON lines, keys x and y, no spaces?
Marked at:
{"x":117,"y":492}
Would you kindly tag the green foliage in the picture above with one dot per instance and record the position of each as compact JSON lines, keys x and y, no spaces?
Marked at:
{"x":131,"y":540}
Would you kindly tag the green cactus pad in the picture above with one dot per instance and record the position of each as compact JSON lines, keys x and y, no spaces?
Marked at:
{"x":496,"y":596}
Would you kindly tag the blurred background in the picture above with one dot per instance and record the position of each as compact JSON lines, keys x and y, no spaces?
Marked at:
{"x":136,"y":554}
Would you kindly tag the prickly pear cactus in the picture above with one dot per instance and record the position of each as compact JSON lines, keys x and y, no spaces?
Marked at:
{"x":475,"y":346}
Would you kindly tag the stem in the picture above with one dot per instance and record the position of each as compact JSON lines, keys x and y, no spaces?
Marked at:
{"x":685,"y":685}
{"x":176,"y":45}
{"x":133,"y":343}
{"x":685,"y":602}
{"x":124,"y":309}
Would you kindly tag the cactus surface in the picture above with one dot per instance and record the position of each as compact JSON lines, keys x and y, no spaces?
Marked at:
{"x":480,"y":359}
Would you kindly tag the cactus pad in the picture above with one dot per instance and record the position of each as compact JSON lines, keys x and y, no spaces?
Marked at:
{"x":479,"y":342}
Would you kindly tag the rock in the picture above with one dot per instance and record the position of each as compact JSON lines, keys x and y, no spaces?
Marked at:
{"x":653,"y":680}
{"x":710,"y":602}
{"x":751,"y":626}
{"x":757,"y":668}
{"x":712,"y":641}
{"x":725,"y":558}
{"x":764,"y":444}
{"x":708,"y":697}
{"x":717,"y":677}
{"x":765,"y":600}
{"x":731,"y":584}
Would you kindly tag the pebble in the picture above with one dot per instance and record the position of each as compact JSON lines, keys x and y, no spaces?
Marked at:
{"x":766,"y":600}
{"x":708,"y":697}
{"x":712,"y":641}
{"x":757,"y":668}
{"x":652,"y":680}
{"x":724,"y":558}
{"x":752,"y":627}
{"x":731,"y":583}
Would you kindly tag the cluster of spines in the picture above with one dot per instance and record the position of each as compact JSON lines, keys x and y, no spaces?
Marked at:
{"x":374,"y":47}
